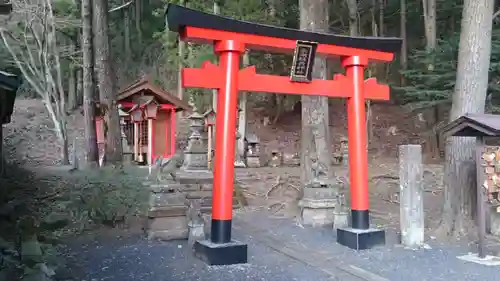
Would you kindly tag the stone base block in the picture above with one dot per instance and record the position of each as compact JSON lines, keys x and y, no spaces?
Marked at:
{"x":221,"y":254}
{"x":317,"y":217}
{"x":196,"y":233}
{"x":340,"y":219}
{"x":360,"y":239}
{"x":495,"y":221}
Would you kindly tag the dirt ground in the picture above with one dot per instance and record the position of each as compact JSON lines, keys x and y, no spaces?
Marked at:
{"x":36,"y":145}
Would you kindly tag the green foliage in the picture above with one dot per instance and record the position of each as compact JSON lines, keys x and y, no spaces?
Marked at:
{"x":35,"y":215}
{"x":431,"y":77}
{"x":107,"y":196}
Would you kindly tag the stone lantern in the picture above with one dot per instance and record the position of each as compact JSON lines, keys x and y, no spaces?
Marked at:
{"x":195,"y":155}
{"x":238,"y":155}
{"x":209,"y":116}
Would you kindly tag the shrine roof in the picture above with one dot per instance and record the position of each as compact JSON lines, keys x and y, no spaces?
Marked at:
{"x":145,"y":86}
{"x":179,"y":17}
{"x":473,"y":125}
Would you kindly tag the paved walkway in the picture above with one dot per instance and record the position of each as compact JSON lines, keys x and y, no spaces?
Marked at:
{"x":278,"y":250}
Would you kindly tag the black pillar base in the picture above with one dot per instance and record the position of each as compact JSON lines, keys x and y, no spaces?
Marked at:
{"x":233,"y":252}
{"x":360,"y":239}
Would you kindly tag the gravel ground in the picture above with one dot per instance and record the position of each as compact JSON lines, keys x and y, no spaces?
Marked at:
{"x":134,"y":259}
{"x":392,"y":262}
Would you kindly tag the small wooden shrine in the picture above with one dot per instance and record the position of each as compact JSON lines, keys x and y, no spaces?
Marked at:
{"x":147,"y":115}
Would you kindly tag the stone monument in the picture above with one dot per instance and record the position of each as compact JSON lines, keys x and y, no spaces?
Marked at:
{"x":319,"y":199}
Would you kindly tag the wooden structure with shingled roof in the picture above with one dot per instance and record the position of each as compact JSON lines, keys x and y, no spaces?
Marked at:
{"x":148,"y":116}
{"x":480,"y":126}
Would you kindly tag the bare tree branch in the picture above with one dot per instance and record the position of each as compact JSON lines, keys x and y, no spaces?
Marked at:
{"x":120,"y":7}
{"x":496,"y":14}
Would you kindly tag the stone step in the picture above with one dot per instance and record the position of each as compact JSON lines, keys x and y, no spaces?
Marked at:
{"x":175,"y":211}
{"x":169,"y":188}
{"x":168,"y":235}
{"x":167,"y":199}
{"x":167,"y":211}
{"x":167,"y":223}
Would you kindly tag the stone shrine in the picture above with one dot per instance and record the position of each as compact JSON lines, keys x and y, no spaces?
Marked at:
{"x":253,"y":151}
{"x":275,"y":159}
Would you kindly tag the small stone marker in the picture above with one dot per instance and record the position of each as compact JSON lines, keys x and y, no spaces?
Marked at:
{"x":411,"y":194}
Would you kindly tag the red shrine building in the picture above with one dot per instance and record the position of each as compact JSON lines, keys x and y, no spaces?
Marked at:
{"x":147,"y":117}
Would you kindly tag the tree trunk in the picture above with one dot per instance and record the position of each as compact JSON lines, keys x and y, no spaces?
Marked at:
{"x":138,"y":18}
{"x":126,"y":31}
{"x":72,"y":87}
{"x":2,"y":157}
{"x":472,"y":77}
{"x":429,"y":7}
{"x":182,"y":46}
{"x":79,"y":86}
{"x":352,"y":6}
{"x":216,"y":10}
{"x":315,"y":138}
{"x":106,"y":82}
{"x":91,"y":154}
{"x":404,"y":46}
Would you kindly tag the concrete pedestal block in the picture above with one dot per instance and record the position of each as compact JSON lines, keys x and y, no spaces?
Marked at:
{"x":317,"y":212}
{"x":230,"y":253}
{"x":360,"y":239}
{"x":317,"y":217}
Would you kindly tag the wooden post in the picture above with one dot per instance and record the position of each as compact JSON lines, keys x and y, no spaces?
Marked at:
{"x":481,"y":217}
{"x":411,"y":206}
{"x":2,"y":160}
{"x":136,"y":141}
{"x":209,"y":152}
{"x":150,"y":144}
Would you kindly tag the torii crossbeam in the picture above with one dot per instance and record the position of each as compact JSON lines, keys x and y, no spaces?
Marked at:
{"x":231,"y":38}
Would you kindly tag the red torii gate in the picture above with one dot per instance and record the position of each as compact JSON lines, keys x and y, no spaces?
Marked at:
{"x":231,"y":38}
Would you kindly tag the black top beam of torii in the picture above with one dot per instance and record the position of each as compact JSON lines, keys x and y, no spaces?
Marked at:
{"x":179,"y":17}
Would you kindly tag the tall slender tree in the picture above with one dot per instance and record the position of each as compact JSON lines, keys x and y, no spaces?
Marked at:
{"x":106,"y":81}
{"x":91,"y":150}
